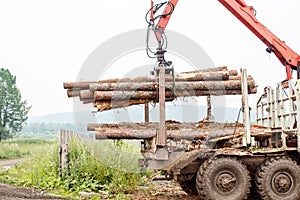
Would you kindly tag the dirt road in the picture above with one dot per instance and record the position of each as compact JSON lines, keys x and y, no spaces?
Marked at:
{"x":6,"y":164}
{"x":8,"y":192}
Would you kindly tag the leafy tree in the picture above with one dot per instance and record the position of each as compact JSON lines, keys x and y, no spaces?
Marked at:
{"x":13,"y":111}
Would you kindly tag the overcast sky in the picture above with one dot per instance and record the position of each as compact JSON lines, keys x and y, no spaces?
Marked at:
{"x":45,"y":43}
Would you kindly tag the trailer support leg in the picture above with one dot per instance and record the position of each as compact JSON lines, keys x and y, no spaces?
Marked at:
{"x":162,"y":107}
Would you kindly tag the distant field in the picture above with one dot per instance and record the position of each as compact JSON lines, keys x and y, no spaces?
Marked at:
{"x":18,"y":148}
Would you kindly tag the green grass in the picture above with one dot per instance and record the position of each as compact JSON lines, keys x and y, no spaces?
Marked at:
{"x":93,"y":166}
{"x":40,"y":136}
{"x":18,"y":148}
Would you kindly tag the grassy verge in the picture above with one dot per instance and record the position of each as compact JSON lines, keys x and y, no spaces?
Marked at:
{"x":94,"y":166}
{"x":21,"y":147}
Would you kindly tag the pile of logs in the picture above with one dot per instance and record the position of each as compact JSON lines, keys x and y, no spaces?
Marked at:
{"x":117,"y":93}
{"x":175,"y":130}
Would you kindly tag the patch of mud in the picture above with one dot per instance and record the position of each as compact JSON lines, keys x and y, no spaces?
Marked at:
{"x":161,"y":189}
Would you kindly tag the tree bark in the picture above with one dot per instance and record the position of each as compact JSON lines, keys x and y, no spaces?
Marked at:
{"x":117,"y":103}
{"x":125,"y":86}
{"x":153,"y":86}
{"x":73,"y":93}
{"x":86,"y":94}
{"x":108,"y":105}
{"x":78,"y":85}
{"x":175,"y":130}
{"x":215,"y":69}
{"x":192,"y":76}
{"x":203,"y":76}
{"x":151,"y":95}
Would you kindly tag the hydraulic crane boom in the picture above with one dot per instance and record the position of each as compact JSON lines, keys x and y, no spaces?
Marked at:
{"x":246,"y":14}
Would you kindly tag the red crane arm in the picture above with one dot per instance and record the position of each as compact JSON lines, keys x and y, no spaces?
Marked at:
{"x":163,"y":21}
{"x":246,"y":14}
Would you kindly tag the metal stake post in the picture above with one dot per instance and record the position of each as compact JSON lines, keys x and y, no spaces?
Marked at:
{"x":246,"y":110}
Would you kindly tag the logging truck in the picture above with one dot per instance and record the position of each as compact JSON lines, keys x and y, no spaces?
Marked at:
{"x":226,"y":167}
{"x":215,"y":160}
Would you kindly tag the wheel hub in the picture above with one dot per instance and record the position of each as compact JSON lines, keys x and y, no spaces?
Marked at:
{"x":282,"y":182}
{"x":225,"y":182}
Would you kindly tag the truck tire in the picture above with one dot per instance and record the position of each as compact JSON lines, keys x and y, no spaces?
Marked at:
{"x":278,"y":178}
{"x":223,"y":178}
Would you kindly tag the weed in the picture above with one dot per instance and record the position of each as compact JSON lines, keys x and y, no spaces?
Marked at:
{"x":93,"y":166}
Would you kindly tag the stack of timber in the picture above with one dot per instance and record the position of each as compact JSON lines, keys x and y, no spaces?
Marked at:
{"x":175,"y":130}
{"x":118,"y":93}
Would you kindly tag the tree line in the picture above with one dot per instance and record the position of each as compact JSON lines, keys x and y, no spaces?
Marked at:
{"x":46,"y":128}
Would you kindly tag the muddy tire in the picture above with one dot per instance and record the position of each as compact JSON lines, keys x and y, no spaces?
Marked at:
{"x":278,"y":178}
{"x":189,"y":186}
{"x":223,"y":178}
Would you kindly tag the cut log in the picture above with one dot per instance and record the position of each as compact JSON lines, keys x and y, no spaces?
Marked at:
{"x":175,"y":125}
{"x":108,"y":105}
{"x":171,"y":125}
{"x":198,"y":76}
{"x":78,"y":85}
{"x":124,"y":95}
{"x":212,"y":85}
{"x":203,"y":76}
{"x":175,"y":130}
{"x":114,"y":103}
{"x":153,"y":86}
{"x":238,"y":77}
{"x":125,"y":86}
{"x":233,"y":73}
{"x":151,"y":95}
{"x":215,"y":69}
{"x":104,"y":133}
{"x":73,"y":93}
{"x":189,"y":134}
{"x":86,"y":94}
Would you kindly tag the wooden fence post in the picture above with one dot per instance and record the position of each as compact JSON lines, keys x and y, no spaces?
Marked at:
{"x":65,"y":137}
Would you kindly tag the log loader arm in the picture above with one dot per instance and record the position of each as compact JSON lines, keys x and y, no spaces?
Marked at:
{"x":246,"y":14}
